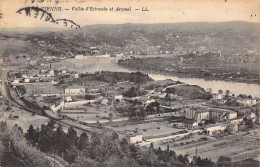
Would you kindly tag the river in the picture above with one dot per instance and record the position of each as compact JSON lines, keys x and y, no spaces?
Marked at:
{"x":92,"y":64}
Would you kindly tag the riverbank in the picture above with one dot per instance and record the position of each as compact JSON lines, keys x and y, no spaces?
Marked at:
{"x":187,"y":75}
{"x":200,"y":69}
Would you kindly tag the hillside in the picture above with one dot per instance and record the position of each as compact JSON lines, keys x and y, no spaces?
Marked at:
{"x":189,"y":91}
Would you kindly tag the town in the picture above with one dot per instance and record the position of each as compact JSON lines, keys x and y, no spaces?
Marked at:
{"x":138,"y":96}
{"x":144,"y":111}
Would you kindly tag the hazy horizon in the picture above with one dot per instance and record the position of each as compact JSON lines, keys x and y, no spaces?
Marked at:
{"x":175,"y":11}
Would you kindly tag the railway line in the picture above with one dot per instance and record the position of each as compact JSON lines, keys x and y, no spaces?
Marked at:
{"x":15,"y":99}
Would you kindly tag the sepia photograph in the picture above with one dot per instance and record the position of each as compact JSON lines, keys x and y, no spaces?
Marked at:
{"x":130,"y":83}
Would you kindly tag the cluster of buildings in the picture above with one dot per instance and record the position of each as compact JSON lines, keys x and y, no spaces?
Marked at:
{"x":41,"y":75}
{"x":223,"y":99}
{"x":214,"y":120}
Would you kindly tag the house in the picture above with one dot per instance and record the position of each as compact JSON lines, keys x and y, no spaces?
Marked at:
{"x":75,"y":90}
{"x":236,"y":120}
{"x":118,"y":97}
{"x":79,"y":57}
{"x":52,"y":73}
{"x":254,"y":101}
{"x":76,"y":75}
{"x":24,"y":76}
{"x":232,"y":128}
{"x":26,"y":80}
{"x":246,"y":101}
{"x":63,"y":71}
{"x":134,"y":138}
{"x":252,"y":116}
{"x":68,"y":98}
{"x":217,"y":96}
{"x":190,"y":123}
{"x":215,"y":128}
{"x":149,"y":101}
{"x":232,"y":115}
{"x":104,"y":101}
{"x":172,"y":96}
{"x":16,"y":81}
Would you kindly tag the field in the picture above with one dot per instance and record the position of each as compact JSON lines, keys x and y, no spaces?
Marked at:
{"x":25,"y":118}
{"x":213,"y":148}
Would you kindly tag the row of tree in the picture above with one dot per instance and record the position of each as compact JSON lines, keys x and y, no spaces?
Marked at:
{"x":48,"y":146}
{"x":95,"y":150}
{"x":114,"y":77}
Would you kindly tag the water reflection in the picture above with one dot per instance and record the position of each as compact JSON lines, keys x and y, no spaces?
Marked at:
{"x":92,"y":65}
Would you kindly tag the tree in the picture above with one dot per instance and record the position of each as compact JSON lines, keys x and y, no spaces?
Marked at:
{"x":168,"y":148}
{"x":71,"y":153}
{"x":124,"y":146}
{"x":32,"y":136}
{"x":132,"y":92}
{"x":148,"y":158}
{"x":45,"y":140}
{"x":248,"y":123}
{"x":60,"y":140}
{"x":19,"y":152}
{"x":95,"y":139}
{"x":72,"y":136}
{"x":114,"y":136}
{"x":224,"y":161}
{"x":170,"y":90}
{"x":151,"y":146}
{"x":220,"y":91}
{"x":227,"y":92}
{"x":83,"y":141}
{"x":115,"y":161}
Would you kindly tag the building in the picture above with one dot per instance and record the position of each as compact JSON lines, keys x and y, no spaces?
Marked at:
{"x":135,"y":138}
{"x":198,"y":114}
{"x":247,"y":101}
{"x":118,"y":97}
{"x":149,"y":101}
{"x":104,"y":101}
{"x":52,"y":73}
{"x":236,"y":121}
{"x":75,"y":90}
{"x":76,"y":75}
{"x":217,"y":114}
{"x":79,"y":57}
{"x":217,"y":96}
{"x":55,"y":108}
{"x":232,"y":128}
{"x":16,"y":81}
{"x":68,"y":98}
{"x":27,"y":80}
{"x":215,"y":128}
{"x":190,"y":123}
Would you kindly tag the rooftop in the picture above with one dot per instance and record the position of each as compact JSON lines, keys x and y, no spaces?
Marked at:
{"x":75,"y":87}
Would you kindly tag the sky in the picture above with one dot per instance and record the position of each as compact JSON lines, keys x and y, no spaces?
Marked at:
{"x":167,"y":11}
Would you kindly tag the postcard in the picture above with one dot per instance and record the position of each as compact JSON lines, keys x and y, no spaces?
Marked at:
{"x":130,"y":83}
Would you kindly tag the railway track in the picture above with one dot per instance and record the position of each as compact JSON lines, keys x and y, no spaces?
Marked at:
{"x":16,"y":101}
